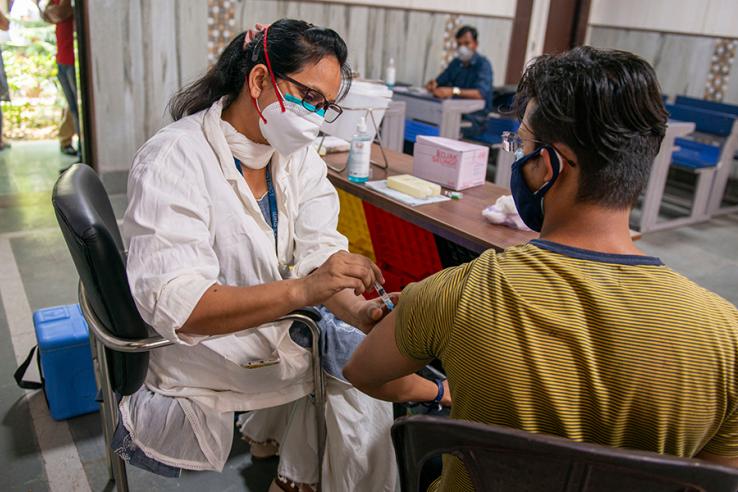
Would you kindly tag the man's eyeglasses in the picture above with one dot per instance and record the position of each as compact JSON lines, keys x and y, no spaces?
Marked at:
{"x":314,"y":101}
{"x":512,"y":142}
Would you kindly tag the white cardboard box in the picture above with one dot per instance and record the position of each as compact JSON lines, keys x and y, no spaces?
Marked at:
{"x":451,"y":163}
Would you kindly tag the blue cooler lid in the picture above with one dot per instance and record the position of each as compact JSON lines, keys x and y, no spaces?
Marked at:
{"x":60,"y":327}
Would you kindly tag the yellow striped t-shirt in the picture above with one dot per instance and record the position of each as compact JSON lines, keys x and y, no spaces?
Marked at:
{"x":611,"y":349}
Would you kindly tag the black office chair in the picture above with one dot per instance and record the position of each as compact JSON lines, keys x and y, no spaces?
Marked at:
{"x":504,"y":459}
{"x":119,"y":336}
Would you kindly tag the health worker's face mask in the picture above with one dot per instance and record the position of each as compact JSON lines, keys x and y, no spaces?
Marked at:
{"x":464,"y":53}
{"x":286,"y":124}
{"x":530,"y":203}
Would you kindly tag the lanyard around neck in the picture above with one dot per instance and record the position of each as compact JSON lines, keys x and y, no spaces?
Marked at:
{"x":271,"y":197}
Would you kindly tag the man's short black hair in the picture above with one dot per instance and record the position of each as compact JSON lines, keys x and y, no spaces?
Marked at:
{"x":604,"y":104}
{"x":467,"y":29}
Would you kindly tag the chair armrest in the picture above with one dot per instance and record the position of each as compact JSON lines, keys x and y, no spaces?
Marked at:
{"x":308,"y":315}
{"x":308,"y":311}
{"x":113,"y":342}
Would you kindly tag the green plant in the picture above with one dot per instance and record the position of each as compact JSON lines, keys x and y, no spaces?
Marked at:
{"x":36,"y":99}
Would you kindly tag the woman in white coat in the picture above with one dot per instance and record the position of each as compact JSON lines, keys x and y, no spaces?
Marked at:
{"x":231,"y":223}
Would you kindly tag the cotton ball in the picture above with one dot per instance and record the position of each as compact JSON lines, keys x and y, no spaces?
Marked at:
{"x":506,"y":204}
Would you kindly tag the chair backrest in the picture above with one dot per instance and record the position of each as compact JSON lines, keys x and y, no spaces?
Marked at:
{"x":716,"y":106}
{"x":87,"y":221}
{"x":502,"y":459}
{"x":705,"y":121}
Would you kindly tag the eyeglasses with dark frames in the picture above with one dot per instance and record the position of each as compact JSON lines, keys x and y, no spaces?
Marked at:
{"x":314,"y":101}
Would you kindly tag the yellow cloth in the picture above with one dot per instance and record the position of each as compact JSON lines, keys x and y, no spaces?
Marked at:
{"x":352,"y":224}
{"x":611,"y":349}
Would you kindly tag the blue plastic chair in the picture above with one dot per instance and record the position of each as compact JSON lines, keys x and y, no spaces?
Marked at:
{"x":493,"y":128}
{"x":716,"y":106}
{"x":695,"y":155}
{"x":706,"y":121}
{"x":414,"y":128}
{"x":700,"y":156}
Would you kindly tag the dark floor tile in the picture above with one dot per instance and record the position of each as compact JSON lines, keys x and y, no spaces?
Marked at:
{"x":21,"y":468}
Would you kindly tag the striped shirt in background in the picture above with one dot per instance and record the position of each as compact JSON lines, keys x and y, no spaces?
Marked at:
{"x":611,"y":349}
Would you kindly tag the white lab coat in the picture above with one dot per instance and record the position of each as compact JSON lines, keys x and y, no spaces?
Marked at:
{"x":192,"y":221}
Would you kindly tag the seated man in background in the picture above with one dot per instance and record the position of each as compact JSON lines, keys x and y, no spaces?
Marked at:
{"x":468,"y":76}
{"x":578,"y":333}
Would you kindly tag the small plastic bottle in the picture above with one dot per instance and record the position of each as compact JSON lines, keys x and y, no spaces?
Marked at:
{"x":360,"y":154}
{"x":390,"y":74}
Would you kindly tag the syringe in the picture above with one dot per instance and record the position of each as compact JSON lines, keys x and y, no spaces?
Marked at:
{"x":384,"y":296}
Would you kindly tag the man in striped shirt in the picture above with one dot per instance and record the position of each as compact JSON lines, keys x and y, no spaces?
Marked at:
{"x":578,"y":333}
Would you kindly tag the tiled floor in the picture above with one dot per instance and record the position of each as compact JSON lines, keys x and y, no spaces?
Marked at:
{"x":27,"y":174}
{"x":707,"y":253}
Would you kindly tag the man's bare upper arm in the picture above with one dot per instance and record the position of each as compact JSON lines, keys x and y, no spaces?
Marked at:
{"x":378,"y":360}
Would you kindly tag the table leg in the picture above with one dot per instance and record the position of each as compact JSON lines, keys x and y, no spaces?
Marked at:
{"x":451,"y":124}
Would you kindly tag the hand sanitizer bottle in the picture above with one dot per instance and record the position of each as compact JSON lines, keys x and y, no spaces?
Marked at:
{"x":390,"y":74}
{"x":360,"y":154}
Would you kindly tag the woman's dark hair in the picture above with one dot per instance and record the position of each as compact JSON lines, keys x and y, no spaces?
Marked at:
{"x":292,"y":44}
{"x":607,"y":106}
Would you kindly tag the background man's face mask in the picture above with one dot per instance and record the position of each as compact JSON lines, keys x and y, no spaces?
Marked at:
{"x":530,"y":203}
{"x":286,"y":124}
{"x":464,"y":53}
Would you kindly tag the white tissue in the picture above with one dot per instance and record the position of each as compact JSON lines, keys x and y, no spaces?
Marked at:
{"x":503,"y":212}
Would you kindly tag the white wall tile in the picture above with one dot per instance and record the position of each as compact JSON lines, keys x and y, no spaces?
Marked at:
{"x":143,"y":51}
{"x":706,"y":17}
{"x":498,"y":8}
{"x":681,"y":61}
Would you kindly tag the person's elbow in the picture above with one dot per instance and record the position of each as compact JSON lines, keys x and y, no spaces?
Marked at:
{"x":360,"y":378}
{"x":353,"y":375}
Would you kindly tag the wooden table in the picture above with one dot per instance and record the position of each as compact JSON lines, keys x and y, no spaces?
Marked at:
{"x":459,"y":221}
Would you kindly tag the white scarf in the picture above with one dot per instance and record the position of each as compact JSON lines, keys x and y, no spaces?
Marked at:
{"x":251,"y":154}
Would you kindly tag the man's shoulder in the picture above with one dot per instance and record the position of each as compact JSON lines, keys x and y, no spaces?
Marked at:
{"x":483,"y":61}
{"x":455,"y":63}
{"x":704,"y":303}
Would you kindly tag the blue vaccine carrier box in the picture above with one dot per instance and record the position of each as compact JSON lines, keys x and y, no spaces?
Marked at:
{"x":66,"y":361}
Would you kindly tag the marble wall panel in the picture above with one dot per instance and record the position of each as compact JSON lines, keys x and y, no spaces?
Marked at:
{"x":376,"y":34}
{"x":682,"y":62}
{"x":141,"y":53}
{"x":494,"y":42}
